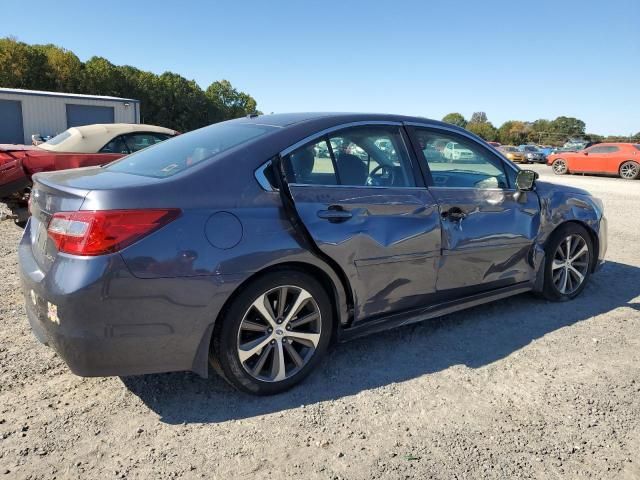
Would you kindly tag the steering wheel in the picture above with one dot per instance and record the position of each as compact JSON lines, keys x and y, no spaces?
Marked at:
{"x":381,"y":176}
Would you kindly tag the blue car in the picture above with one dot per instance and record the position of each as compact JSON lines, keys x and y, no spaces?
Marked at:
{"x":245,"y":247}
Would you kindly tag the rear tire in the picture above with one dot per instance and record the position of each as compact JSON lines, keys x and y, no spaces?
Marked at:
{"x":560,"y":167}
{"x":629,"y":170}
{"x":568,"y":259}
{"x":274,"y":333}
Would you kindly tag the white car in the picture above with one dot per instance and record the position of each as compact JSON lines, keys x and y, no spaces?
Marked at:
{"x":454,"y":151}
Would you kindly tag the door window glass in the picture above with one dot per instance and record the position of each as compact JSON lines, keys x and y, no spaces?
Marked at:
{"x":117,"y":145}
{"x":138,"y":141}
{"x":372,"y":156}
{"x":457,"y":162}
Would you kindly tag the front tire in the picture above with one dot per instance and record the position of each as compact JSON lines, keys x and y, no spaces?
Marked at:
{"x":629,"y":170}
{"x":274,"y":333}
{"x":560,"y":167}
{"x":568,"y":260}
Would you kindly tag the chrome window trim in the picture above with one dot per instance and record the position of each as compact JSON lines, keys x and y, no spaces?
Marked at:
{"x":467,"y":135}
{"x":377,"y":187}
{"x":262,"y":178}
{"x":326,"y":131}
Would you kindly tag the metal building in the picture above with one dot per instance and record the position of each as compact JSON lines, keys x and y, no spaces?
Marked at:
{"x":28,"y":112}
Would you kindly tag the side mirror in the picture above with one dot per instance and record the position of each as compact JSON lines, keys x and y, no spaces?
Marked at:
{"x":526,"y":179}
{"x":585,"y":153}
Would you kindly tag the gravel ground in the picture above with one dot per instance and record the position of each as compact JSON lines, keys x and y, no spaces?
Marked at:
{"x":518,"y":389}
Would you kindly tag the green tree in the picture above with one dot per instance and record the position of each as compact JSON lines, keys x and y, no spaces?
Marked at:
{"x":514,"y":132}
{"x":64,"y":66}
{"x":486,"y":130}
{"x":225,"y":102}
{"x":182,"y":105}
{"x":455,"y":119}
{"x":478,"y":117}
{"x":101,"y":77}
{"x":567,"y":126}
{"x":23,"y":66}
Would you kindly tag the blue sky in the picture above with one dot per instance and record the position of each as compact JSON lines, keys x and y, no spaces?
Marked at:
{"x":511,"y":59}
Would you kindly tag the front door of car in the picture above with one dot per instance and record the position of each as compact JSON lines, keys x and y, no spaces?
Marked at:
{"x":365,"y":207}
{"x":591,"y":159}
{"x":488,"y":228}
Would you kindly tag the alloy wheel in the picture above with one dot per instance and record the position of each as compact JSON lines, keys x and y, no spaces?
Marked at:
{"x":279,"y":333}
{"x":570,"y":264}
{"x":559,"y":167}
{"x":629,"y":170}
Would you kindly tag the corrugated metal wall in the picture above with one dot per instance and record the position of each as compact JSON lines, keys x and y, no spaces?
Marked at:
{"x":47,"y":115}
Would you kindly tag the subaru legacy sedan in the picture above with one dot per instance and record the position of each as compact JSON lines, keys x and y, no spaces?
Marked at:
{"x":244,"y":246}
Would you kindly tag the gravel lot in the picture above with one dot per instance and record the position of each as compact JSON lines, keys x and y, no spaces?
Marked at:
{"x":518,"y":389}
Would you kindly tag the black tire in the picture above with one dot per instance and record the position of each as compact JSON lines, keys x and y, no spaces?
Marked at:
{"x":550,"y":290}
{"x":225,"y":356}
{"x":629,"y":170}
{"x":560,"y":166}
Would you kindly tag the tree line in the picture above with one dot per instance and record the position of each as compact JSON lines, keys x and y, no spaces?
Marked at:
{"x":168,"y":99}
{"x":516,"y":132}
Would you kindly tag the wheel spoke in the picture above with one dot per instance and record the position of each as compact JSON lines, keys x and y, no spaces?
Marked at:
{"x":282,"y":301}
{"x":308,"y":339}
{"x":253,"y":326}
{"x":249,"y":349}
{"x":295,"y":356}
{"x":577,"y":274}
{"x":304,"y":320}
{"x":568,"y":248}
{"x":263,"y":307}
{"x":278,"y":368}
{"x":261,"y":360}
{"x":563,"y":281}
{"x":580,"y":253}
{"x":557,"y":264}
{"x":303,"y":297}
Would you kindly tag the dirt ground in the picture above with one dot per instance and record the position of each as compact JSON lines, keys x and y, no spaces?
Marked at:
{"x":518,"y":389}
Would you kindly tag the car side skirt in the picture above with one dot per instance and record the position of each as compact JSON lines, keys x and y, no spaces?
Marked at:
{"x":432,"y":311}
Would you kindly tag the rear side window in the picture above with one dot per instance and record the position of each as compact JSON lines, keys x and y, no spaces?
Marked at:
{"x":184,"y":151}
{"x":117,"y":145}
{"x":58,"y":139}
{"x":369,"y":156}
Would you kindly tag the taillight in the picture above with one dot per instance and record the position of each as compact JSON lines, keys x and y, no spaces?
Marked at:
{"x":105,"y":231}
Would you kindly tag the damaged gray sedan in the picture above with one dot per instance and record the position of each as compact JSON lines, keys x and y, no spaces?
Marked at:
{"x":251,"y":245}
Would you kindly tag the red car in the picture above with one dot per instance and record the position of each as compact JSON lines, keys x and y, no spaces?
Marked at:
{"x":76,"y":147}
{"x":621,"y":159}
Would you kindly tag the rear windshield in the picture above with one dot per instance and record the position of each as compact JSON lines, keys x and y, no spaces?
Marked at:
{"x":179,"y":153}
{"x":59,"y":138}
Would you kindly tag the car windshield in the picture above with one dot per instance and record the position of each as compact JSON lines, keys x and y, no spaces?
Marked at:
{"x":509,"y":149}
{"x":529,"y":148}
{"x":184,"y":151}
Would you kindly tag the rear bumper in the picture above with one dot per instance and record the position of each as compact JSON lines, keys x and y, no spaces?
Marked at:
{"x":102,"y":321}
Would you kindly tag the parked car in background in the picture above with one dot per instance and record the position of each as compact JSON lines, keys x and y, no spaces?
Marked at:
{"x":455,"y":152}
{"x":622,"y":159}
{"x":513,"y":154}
{"x":495,"y":144}
{"x":532,"y":153}
{"x":84,"y":146}
{"x":251,"y":259}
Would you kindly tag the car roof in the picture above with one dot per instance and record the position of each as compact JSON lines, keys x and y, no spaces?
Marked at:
{"x":288,"y":119}
{"x":91,"y":138}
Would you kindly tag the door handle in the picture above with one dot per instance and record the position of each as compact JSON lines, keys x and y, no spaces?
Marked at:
{"x":454,"y":214}
{"x":335,"y":214}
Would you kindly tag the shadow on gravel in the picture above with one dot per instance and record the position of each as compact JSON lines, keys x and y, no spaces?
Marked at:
{"x":475,"y":338}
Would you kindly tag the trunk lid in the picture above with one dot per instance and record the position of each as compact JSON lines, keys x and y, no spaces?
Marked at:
{"x":47,"y":198}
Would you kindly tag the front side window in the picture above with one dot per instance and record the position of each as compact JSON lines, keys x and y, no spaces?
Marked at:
{"x":139,"y":141}
{"x":463,"y":163}
{"x":117,"y":145}
{"x":373,"y":156}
